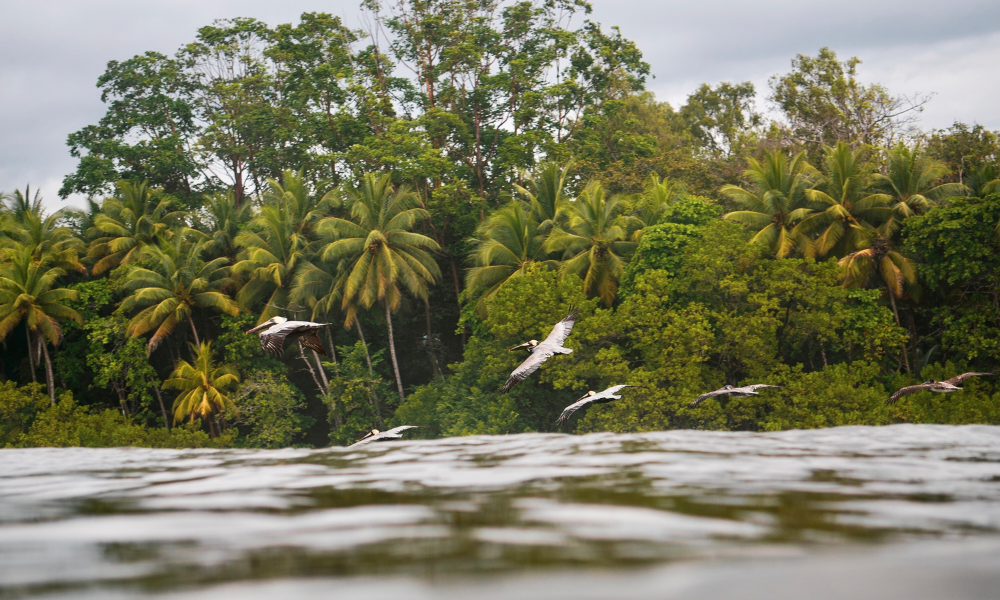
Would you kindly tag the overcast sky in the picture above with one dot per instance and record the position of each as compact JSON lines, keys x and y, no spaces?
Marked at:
{"x":53,"y":51}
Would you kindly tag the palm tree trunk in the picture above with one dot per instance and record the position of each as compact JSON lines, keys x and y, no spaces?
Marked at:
{"x":371,"y":374}
{"x":31,"y":355}
{"x":163,"y":407}
{"x":333,"y":352}
{"x":895,"y":311}
{"x":48,"y":373}
{"x":194,"y":331}
{"x":392,"y":353}
{"x":368,"y":357}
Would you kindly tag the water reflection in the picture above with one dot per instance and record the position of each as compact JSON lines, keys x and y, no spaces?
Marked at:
{"x":481,"y":515}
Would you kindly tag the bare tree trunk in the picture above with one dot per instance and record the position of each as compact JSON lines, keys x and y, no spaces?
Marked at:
{"x":333,"y":352}
{"x":430,"y":343}
{"x":194,"y":331}
{"x":48,"y":372}
{"x":322,"y":372}
{"x":458,"y":295}
{"x":163,"y":407}
{"x":31,"y":355}
{"x":906,"y":358}
{"x":302,"y":355}
{"x":392,"y":353}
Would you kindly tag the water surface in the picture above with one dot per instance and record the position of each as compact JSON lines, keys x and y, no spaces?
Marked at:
{"x":904,"y":511}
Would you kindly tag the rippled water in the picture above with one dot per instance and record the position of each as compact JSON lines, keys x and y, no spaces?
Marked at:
{"x":903,"y":511}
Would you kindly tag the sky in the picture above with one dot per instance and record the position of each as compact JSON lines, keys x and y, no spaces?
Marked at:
{"x":53,"y":51}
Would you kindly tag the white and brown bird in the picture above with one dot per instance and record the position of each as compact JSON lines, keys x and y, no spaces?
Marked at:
{"x":540,"y":352}
{"x":277,"y":329}
{"x":380,"y":436}
{"x":940,"y":387}
{"x":735,"y":392}
{"x":589,"y":398}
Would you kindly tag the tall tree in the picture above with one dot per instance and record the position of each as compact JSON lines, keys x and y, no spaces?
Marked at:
{"x":596,"y":241}
{"x":546,"y":194}
{"x":28,"y":293}
{"x":382,"y":252}
{"x":825,"y":103}
{"x":775,"y":202}
{"x":202,"y":386}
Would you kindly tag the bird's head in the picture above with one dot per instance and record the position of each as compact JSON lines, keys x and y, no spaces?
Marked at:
{"x":591,"y":393}
{"x":529,"y":345}
{"x":727,"y":387}
{"x":268,"y":323}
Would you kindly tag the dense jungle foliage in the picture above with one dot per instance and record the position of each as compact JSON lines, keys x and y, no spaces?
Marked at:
{"x":451,"y":183}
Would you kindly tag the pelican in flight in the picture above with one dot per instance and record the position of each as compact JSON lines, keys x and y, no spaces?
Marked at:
{"x":272,"y":339}
{"x":941,"y":387}
{"x":540,"y":352}
{"x":736,"y":392}
{"x":591,"y":397}
{"x":380,"y":436}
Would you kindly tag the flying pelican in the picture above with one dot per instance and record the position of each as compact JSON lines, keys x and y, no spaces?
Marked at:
{"x":941,"y":387}
{"x":737,"y":392}
{"x":591,"y":397}
{"x":272,"y":340}
{"x":541,"y":352}
{"x":380,"y":436}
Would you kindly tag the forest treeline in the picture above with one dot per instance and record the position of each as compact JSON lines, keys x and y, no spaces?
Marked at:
{"x":450,"y":182}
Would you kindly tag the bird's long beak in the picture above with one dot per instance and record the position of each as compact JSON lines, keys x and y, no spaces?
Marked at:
{"x":524,"y":345}
{"x":261,"y":326}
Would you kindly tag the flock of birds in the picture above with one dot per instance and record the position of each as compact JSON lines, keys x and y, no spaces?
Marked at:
{"x":274,"y":332}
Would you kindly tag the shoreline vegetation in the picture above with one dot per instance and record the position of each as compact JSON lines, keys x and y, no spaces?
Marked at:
{"x":454,"y":188}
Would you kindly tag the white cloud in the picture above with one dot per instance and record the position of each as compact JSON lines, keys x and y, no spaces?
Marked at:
{"x":55,"y":50}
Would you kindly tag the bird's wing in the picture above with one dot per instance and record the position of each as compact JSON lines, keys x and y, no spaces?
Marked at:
{"x":310,"y":339}
{"x":365,"y":440}
{"x":960,"y":378}
{"x":561,"y":330}
{"x":708,"y":395}
{"x":529,"y":366}
{"x":758,"y":386}
{"x":396,"y":431}
{"x":614,"y":390}
{"x":572,"y":408}
{"x":910,"y":389}
{"x":272,"y":342}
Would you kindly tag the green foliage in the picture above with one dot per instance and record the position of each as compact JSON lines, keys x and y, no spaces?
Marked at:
{"x":353,"y":404}
{"x":68,"y":424}
{"x":267,"y":411}
{"x":19,"y":408}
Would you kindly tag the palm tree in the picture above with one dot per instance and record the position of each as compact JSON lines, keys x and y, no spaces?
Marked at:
{"x":381,"y":251}
{"x":139,"y":216}
{"x":846,"y":209}
{"x":177,"y":282}
{"x":202,"y":386}
{"x":775,"y":202}
{"x":28,"y":293}
{"x":223,"y":220}
{"x":912,"y":182}
{"x":596,"y":241}
{"x":894,"y":268}
{"x":279,"y":240}
{"x":545,"y":194}
{"x":657,"y":197}
{"x":27,"y":225}
{"x":508,"y":243}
